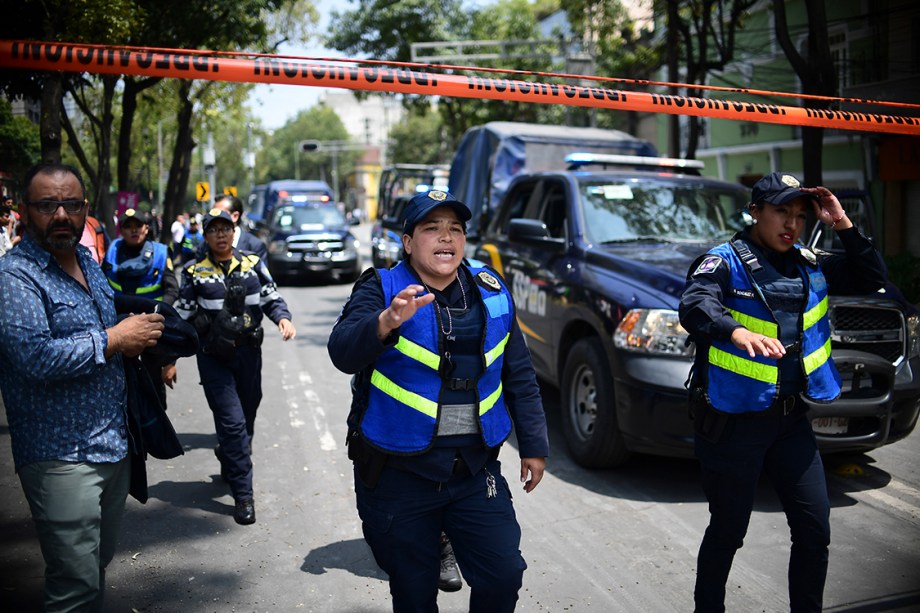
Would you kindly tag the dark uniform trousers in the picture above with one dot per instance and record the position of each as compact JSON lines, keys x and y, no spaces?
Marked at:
{"x":403,"y":516}
{"x":234,"y":390}
{"x":783,"y":447}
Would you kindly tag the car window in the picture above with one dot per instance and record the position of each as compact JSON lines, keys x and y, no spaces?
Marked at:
{"x":553,"y":209}
{"x":629,"y":209}
{"x":518,"y":200}
{"x":307,"y":217}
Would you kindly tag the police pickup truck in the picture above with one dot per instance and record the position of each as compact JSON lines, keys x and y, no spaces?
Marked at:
{"x":597,"y":255}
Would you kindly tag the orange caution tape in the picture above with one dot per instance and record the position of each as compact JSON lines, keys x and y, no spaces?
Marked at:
{"x":212,"y":66}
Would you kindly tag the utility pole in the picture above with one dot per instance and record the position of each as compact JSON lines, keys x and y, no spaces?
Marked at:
{"x":211,"y":168}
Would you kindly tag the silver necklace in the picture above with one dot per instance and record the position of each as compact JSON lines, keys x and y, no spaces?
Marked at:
{"x":450,"y":321}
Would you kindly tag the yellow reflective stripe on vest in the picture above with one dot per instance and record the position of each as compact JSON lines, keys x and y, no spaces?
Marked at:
{"x":147,"y":290}
{"x":743,"y":366}
{"x":817,"y":358}
{"x":755,"y":325}
{"x":496,"y":351}
{"x":410,"y":399}
{"x":489,"y":401}
{"x":115,"y":286}
{"x":418,"y":353}
{"x":814,"y":314}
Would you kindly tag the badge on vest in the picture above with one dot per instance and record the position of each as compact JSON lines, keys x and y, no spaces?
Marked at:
{"x":488,"y":281}
{"x":709,"y":264}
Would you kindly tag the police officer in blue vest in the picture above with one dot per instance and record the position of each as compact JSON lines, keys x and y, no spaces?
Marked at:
{"x":225,"y":295}
{"x":756,"y":307}
{"x":136,"y":266}
{"x":441,"y":374}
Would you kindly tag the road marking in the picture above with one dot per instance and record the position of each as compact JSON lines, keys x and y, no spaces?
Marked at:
{"x":326,"y":440}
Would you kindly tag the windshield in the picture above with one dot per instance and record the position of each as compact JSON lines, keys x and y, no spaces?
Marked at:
{"x":642,"y":209}
{"x":308,"y":217}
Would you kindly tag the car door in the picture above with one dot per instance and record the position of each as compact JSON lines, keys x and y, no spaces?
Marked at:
{"x":527,"y":265}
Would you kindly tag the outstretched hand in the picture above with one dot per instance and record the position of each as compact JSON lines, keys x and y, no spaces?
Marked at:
{"x":402,"y":308}
{"x":757,"y":344}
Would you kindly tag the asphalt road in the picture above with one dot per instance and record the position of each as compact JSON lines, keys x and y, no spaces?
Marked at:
{"x":609,"y":541}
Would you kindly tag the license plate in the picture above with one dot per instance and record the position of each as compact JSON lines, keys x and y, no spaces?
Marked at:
{"x":830,"y":425}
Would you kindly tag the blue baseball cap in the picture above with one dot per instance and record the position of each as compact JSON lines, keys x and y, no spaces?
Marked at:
{"x":777,"y":188}
{"x":422,"y":204}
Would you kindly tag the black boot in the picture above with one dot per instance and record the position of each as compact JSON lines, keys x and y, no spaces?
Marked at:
{"x":449,"y":581}
{"x":244,"y":513}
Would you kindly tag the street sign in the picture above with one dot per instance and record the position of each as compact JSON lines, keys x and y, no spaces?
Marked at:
{"x":230,"y":190}
{"x":202,"y":191}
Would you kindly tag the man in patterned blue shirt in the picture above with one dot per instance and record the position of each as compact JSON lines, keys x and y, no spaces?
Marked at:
{"x":63,"y":386}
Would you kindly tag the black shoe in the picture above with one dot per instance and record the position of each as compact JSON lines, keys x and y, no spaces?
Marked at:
{"x":449,"y":581}
{"x":244,"y":513}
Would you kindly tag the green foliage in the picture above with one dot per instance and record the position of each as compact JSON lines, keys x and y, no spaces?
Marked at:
{"x":281,"y":158}
{"x":418,"y":139}
{"x":20,"y":147}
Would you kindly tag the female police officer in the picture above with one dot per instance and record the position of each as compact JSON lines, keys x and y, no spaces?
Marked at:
{"x":442,"y":372}
{"x":757,"y":309}
{"x":225,"y":295}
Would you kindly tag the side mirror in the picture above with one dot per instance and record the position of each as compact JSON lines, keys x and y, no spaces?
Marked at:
{"x":527,"y":230}
{"x":534,"y":232}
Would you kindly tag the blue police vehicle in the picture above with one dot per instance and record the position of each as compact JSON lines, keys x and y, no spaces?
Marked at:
{"x":597,"y":255}
{"x":307,"y":235}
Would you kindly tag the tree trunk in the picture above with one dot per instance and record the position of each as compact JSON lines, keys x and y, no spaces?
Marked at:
{"x":133,"y":88}
{"x":673,"y":76}
{"x":179,"y":170}
{"x":50,"y":128}
{"x":104,"y":204}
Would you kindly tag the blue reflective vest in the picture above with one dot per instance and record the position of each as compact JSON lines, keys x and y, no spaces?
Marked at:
{"x":153,"y":255}
{"x":404,"y":402}
{"x":739,"y":383}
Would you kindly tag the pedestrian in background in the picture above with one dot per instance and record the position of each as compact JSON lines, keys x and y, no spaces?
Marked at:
{"x":8,"y":238}
{"x":441,"y":374}
{"x":242,"y":239}
{"x":225,"y":296}
{"x":63,"y":387}
{"x":756,"y":307}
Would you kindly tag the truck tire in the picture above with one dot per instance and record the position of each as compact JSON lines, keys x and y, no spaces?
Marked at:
{"x":589,"y":419}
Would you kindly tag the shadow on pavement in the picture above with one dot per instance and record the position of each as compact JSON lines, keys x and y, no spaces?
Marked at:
{"x":353,"y":556}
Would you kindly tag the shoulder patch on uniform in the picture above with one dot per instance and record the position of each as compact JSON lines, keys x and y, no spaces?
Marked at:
{"x":809,"y":256}
{"x":488,"y":281}
{"x":709,"y":264}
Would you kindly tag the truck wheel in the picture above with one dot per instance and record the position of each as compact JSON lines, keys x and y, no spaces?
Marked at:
{"x":589,"y":418}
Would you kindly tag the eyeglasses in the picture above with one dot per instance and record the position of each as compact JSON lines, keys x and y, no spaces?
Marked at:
{"x":50,"y":207}
{"x":219,"y":230}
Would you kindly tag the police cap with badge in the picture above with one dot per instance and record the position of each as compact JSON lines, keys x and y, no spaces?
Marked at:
{"x":422,"y":204}
{"x":216,"y":214}
{"x":779,"y":188}
{"x":133,"y":215}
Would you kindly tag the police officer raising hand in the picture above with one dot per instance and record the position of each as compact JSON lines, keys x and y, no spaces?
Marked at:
{"x":403,"y":307}
{"x":756,"y":308}
{"x":442,"y":375}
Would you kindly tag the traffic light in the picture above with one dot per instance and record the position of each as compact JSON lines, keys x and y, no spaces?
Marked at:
{"x":309,"y":145}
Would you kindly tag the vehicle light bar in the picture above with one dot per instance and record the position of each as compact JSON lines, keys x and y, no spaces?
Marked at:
{"x":577,"y":160}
